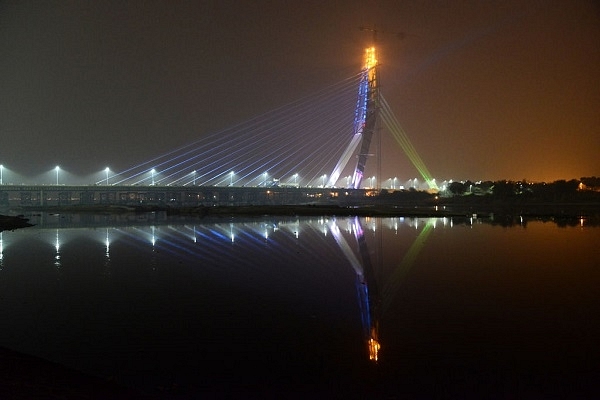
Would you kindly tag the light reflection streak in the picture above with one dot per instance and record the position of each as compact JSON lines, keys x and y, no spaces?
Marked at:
{"x":400,"y":272}
{"x":107,"y":263}
{"x":57,"y":255}
{"x":107,"y":244}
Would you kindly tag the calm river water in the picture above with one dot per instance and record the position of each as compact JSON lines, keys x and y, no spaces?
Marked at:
{"x":291,"y":306}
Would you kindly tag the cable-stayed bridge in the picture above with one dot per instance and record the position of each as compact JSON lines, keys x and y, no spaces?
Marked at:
{"x":320,"y":144}
{"x":309,"y":142}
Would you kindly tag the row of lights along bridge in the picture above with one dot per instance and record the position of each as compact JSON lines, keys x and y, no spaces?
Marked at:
{"x":152,"y":178}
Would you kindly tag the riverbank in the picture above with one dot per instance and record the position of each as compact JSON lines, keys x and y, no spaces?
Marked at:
{"x":497,"y":211}
{"x":257,"y":210}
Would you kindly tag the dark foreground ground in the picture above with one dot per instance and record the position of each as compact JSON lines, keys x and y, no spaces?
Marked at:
{"x":27,"y":377}
{"x":24,"y":377}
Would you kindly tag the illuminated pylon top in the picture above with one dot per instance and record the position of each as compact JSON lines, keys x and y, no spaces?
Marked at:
{"x":370,"y":61}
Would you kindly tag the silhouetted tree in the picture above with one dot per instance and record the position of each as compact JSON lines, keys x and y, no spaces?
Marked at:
{"x":565,"y":189}
{"x":504,"y":189}
{"x":591,"y":182}
{"x":457,"y":188}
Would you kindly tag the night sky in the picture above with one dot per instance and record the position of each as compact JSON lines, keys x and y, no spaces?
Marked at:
{"x":484,"y":89}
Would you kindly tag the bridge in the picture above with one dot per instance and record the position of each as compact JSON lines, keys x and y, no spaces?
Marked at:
{"x":297,"y":154}
{"x":178,"y":196}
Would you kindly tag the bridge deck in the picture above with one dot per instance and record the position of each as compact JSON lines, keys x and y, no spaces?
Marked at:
{"x":47,"y":195}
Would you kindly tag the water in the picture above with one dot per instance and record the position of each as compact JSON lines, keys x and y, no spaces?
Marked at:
{"x":287,"y":306}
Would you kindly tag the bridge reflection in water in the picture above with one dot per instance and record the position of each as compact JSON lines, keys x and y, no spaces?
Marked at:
{"x":180,"y":237}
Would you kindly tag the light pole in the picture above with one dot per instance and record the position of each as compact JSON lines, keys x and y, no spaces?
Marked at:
{"x":57,"y":169}
{"x":107,"y":170}
{"x":152,"y":172}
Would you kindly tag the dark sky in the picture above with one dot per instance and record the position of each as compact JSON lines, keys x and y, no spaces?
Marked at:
{"x":484,"y":89}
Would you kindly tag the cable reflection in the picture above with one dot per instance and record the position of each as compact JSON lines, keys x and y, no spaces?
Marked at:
{"x":207,"y":245}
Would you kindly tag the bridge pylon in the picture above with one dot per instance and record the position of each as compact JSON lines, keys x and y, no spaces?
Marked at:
{"x":365,"y":121}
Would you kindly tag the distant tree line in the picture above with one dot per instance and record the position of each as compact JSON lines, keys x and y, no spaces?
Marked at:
{"x":584,"y":189}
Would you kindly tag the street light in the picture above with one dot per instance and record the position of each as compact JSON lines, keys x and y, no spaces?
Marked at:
{"x":57,"y":169}
{"x":107,"y":170}
{"x":152,"y":172}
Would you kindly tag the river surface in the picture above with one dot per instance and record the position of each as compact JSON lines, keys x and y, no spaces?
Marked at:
{"x":309,"y":307}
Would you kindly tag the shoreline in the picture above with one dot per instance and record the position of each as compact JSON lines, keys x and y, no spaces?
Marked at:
{"x":441,"y":209}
